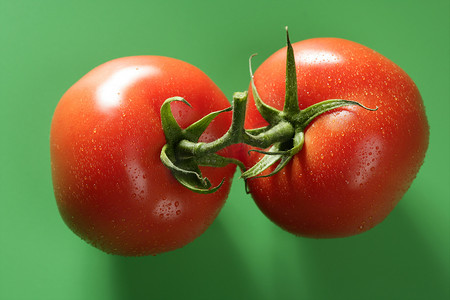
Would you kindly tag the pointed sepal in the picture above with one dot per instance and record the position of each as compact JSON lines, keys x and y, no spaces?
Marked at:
{"x":263,"y":164}
{"x":276,"y":153}
{"x":270,"y":114}
{"x":310,"y":113}
{"x":291,"y":105}
{"x":172,"y":130}
{"x":194,"y":131}
{"x":188,"y":174}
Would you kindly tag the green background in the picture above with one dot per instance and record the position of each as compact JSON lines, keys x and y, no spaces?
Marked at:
{"x":46,"y":46}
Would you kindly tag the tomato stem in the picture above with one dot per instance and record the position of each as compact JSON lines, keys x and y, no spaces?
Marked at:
{"x":236,"y":134}
{"x":183,"y":153}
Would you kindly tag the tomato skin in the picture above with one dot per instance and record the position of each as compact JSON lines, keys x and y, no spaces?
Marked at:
{"x":109,"y":183}
{"x":355,"y":164}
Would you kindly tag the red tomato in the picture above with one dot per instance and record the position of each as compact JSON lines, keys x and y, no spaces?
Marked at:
{"x":110,"y":185}
{"x":355,"y":164}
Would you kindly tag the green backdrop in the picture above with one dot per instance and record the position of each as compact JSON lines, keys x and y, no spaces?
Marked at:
{"x":45,"y":46}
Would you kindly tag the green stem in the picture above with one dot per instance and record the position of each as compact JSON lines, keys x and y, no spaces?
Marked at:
{"x":183,"y":154}
{"x":281,"y":132}
{"x":237,"y":134}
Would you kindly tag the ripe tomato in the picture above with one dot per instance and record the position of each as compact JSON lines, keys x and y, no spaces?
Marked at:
{"x":110,"y":185}
{"x":355,"y":164}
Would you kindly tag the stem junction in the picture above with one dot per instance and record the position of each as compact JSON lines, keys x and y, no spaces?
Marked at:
{"x":183,"y":154}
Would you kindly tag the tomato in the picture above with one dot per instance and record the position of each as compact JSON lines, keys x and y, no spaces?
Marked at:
{"x":355,"y":164}
{"x":109,"y":183}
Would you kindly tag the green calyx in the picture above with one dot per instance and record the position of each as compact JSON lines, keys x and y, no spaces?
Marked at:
{"x":184,"y":155}
{"x":185,"y":168}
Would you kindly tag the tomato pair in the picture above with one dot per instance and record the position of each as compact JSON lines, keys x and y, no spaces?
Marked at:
{"x":114,"y":192}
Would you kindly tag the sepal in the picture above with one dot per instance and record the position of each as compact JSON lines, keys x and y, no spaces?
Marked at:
{"x":186,"y":170}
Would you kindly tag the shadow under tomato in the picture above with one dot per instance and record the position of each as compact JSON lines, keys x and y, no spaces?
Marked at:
{"x":391,"y":261}
{"x":208,"y":268}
